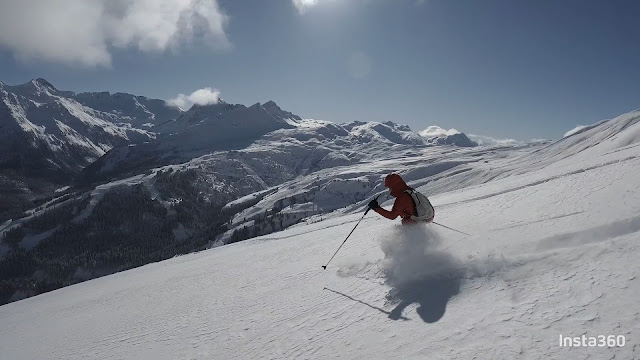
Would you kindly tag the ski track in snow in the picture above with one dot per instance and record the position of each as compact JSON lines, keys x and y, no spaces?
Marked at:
{"x":553,"y":251}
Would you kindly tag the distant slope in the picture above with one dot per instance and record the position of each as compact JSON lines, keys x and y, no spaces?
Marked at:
{"x":594,"y":140}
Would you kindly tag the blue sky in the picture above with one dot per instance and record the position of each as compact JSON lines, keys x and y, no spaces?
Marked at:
{"x":502,"y":68}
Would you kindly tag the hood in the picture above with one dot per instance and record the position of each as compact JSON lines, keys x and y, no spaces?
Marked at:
{"x":395,"y":184}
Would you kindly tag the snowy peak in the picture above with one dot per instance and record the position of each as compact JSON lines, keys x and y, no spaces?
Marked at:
{"x":360,"y":132}
{"x":272,"y":108}
{"x":436,"y":135}
{"x":402,"y":134}
{"x":37,"y":90}
{"x":200,"y":130}
{"x":459,"y":139}
{"x":398,"y":127}
{"x":39,"y":85}
{"x":254,"y":119}
{"x":198,"y":110}
{"x":47,"y":132}
{"x":196,"y":115}
{"x":208,"y":127}
{"x":387,"y":132}
{"x":42,"y":83}
{"x":139,"y":111}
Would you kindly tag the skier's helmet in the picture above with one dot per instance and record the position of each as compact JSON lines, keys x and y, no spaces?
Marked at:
{"x":393,"y":181}
{"x":395,"y":184}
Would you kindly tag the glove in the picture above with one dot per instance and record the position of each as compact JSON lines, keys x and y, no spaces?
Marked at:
{"x":373,"y":204}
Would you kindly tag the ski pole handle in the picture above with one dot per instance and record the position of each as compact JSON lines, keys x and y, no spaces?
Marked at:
{"x":368,"y":208}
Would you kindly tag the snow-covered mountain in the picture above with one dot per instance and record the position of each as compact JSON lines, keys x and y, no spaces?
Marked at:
{"x":436,"y":135}
{"x":386,"y":132}
{"x":552,"y":253}
{"x":54,"y":134}
{"x":139,"y":111}
{"x":459,"y":139}
{"x":200,"y":130}
{"x":168,"y":181}
{"x":223,"y":126}
{"x":204,"y":129}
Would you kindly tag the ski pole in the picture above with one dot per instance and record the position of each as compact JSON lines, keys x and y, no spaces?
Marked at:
{"x":461,"y":232}
{"x":345,"y":240}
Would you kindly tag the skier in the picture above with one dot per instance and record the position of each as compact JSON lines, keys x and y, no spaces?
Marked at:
{"x":410,"y":205}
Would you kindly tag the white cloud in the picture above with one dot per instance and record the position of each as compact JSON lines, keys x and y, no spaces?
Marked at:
{"x":359,"y":65}
{"x":206,"y":96}
{"x":304,"y":5}
{"x":433,"y":131}
{"x":85,"y":31}
{"x":574,"y":130}
{"x":488,"y":140}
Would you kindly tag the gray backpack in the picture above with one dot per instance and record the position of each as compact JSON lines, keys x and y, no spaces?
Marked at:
{"x":424,"y":209}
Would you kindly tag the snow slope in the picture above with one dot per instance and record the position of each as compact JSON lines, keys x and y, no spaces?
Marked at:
{"x":553,"y":251}
{"x":591,"y":141}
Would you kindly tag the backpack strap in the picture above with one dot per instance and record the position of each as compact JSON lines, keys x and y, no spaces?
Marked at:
{"x":415,"y":207}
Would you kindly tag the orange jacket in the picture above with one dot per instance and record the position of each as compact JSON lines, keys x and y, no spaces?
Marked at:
{"x":403,"y":206}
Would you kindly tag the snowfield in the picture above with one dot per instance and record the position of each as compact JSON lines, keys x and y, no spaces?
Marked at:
{"x":553,"y":252}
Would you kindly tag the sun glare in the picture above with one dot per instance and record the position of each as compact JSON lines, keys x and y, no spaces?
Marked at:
{"x":304,"y":5}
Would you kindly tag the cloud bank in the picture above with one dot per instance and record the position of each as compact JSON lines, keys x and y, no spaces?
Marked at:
{"x":433,"y":131}
{"x":206,"y":96}
{"x":488,"y":140}
{"x":437,"y":131}
{"x":84,"y":32}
